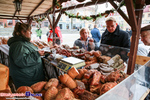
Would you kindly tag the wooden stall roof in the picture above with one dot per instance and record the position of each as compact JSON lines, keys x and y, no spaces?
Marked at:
{"x":29,"y":8}
{"x":34,"y":7}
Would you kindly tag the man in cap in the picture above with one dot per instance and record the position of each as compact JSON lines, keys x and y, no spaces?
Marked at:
{"x":144,"y":48}
{"x":145,"y":37}
{"x":113,"y":35}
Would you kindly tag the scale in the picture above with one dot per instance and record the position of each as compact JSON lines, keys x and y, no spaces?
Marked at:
{"x":67,"y":63}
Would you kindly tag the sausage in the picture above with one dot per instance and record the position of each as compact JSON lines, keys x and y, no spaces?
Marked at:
{"x":106,"y":69}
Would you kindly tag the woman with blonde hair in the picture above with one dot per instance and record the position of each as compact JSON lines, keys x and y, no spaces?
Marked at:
{"x":26,"y":66}
{"x":85,"y":41}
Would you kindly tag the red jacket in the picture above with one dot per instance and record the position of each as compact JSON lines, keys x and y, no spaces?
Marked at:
{"x":58,"y":33}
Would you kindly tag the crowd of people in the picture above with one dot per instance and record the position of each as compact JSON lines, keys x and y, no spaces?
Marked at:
{"x":26,"y":66}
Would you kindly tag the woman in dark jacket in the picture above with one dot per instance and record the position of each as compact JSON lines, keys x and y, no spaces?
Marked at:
{"x":25,"y":62}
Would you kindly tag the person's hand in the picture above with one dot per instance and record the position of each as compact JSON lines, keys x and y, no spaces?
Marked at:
{"x":92,"y":45}
{"x":41,"y":52}
{"x":91,"y":41}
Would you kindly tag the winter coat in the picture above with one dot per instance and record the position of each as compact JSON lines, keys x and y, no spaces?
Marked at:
{"x":58,"y":34}
{"x":25,"y":62}
{"x":117,"y":38}
{"x":39,"y":32}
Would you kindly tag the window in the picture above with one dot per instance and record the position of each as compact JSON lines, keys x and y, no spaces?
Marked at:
{"x":74,"y":26}
{"x":45,"y":24}
{"x":67,"y":26}
{"x":9,"y":22}
{"x":1,"y":24}
{"x":60,"y":25}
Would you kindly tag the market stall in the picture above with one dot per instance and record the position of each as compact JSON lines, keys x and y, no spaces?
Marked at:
{"x":130,"y":85}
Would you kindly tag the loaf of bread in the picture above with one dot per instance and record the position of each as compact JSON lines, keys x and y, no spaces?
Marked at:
{"x":23,"y":89}
{"x":4,"y":40}
{"x":8,"y":90}
{"x":73,"y":72}
{"x":51,"y":82}
{"x":4,"y":77}
{"x":68,"y":81}
{"x":51,"y":93}
{"x":37,"y":87}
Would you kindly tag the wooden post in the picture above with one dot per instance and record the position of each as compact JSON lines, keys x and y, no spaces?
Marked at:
{"x":54,"y":1}
{"x":135,"y":24}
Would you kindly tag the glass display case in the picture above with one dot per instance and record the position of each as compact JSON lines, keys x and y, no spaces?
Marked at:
{"x":111,"y":51}
{"x":134,"y":87}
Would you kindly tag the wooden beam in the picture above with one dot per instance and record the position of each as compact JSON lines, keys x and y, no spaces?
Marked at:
{"x":35,"y":8}
{"x":131,"y":14}
{"x":13,"y":16}
{"x":53,"y":28}
{"x":135,"y":24}
{"x":49,"y":19}
{"x":120,"y":12}
{"x":29,"y":20}
{"x":14,"y":13}
{"x":58,"y":18}
{"x":20,"y":20}
{"x":78,"y":6}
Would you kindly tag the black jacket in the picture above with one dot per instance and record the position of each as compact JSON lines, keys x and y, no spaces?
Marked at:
{"x":117,"y":38}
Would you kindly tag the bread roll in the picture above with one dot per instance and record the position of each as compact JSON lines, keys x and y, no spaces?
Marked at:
{"x":51,"y":93}
{"x":51,"y":82}
{"x":73,"y":72}
{"x":68,"y":81}
{"x":37,"y":87}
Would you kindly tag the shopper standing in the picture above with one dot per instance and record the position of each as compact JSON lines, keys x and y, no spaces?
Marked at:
{"x":39,"y":32}
{"x":114,"y":36}
{"x":96,"y":35}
